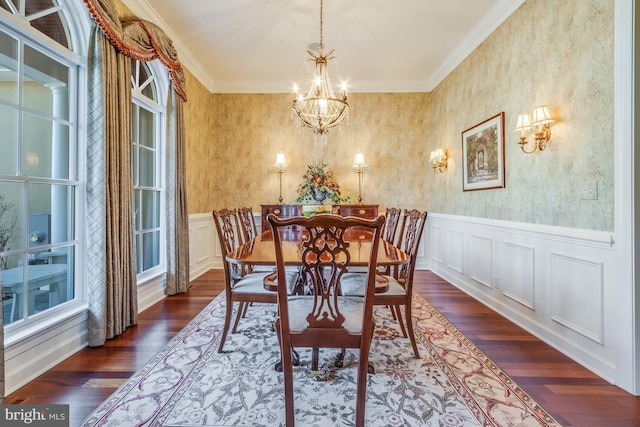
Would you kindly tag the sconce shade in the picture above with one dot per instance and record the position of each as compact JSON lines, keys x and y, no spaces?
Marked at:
{"x":437,"y":154}
{"x":541,"y":116}
{"x":439,"y":159}
{"x":524,"y":123}
{"x":358,"y":161}
{"x":280,"y":161}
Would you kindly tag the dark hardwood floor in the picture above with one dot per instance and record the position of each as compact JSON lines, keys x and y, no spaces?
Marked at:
{"x":571,"y":393}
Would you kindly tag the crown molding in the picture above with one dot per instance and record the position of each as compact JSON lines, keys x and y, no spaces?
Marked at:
{"x":487,"y":25}
{"x":143,"y":10}
{"x":492,"y":20}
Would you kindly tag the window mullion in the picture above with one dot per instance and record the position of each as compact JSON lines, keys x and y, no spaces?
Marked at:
{"x":43,"y":13}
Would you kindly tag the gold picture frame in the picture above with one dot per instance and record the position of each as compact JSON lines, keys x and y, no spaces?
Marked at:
{"x":483,"y":155}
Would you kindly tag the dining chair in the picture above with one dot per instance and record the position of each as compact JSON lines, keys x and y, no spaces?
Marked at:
{"x":240,"y":286}
{"x":247,"y":230}
{"x":246,"y":223}
{"x":324,"y":318}
{"x":400,"y":292}
{"x":392,"y":220}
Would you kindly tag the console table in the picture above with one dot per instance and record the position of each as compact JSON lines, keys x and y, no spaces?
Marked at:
{"x":287,"y":211}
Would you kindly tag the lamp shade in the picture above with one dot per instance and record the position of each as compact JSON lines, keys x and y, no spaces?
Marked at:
{"x":280,"y":161}
{"x":358,"y":161}
{"x":524,"y":123}
{"x":541,"y":116}
{"x":437,"y":154}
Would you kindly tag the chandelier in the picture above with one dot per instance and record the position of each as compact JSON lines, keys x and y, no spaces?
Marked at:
{"x":319,"y":109}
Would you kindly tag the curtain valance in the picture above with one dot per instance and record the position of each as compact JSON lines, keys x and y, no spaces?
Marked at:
{"x":139,"y":39}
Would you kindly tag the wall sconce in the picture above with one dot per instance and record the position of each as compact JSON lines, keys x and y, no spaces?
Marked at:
{"x":358,"y":162}
{"x":281,"y":164}
{"x":540,"y":126}
{"x":439,"y":159}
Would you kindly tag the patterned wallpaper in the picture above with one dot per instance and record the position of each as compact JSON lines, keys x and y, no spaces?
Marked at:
{"x":547,"y":52}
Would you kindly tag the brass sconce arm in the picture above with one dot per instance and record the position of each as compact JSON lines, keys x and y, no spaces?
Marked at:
{"x":540,"y":126}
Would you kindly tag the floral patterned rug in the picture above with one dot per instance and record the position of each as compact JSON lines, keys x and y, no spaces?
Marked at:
{"x":189,"y":384}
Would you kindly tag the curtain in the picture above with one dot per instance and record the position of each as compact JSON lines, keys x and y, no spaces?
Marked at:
{"x":110,"y":235}
{"x":111,"y":281}
{"x":176,"y":200}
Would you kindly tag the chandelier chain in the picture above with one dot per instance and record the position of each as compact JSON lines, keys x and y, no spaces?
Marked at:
{"x":321,"y":7}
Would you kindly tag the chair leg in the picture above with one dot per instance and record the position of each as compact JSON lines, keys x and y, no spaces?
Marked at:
{"x":398,"y":311}
{"x":412,"y":336}
{"x":241,"y":309}
{"x":361,"y":396}
{"x":227,"y":322}
{"x":287,"y":370}
{"x":315,"y":356}
{"x":393,"y":311}
{"x":246,"y":307}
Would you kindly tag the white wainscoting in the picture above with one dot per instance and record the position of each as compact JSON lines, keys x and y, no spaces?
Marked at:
{"x":559,"y":284}
{"x":204,"y":248}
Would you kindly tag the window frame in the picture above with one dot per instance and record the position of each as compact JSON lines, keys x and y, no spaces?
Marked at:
{"x":18,"y":27}
{"x":158,"y":76}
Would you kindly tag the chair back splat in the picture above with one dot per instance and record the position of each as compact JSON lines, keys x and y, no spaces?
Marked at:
{"x":246,"y":224}
{"x":392,"y":219}
{"x":324,"y":318}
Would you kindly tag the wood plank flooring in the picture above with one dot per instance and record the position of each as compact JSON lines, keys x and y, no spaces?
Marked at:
{"x":571,"y":393}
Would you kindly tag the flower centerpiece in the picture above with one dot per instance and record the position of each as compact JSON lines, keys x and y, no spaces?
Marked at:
{"x":318,"y":187}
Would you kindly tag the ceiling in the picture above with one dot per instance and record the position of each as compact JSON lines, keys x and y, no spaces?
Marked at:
{"x":258,"y":46}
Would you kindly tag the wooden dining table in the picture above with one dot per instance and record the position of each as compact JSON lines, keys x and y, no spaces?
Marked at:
{"x":261,"y":250}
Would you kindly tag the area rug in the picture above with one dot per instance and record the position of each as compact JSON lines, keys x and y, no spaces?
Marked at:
{"x":189,"y":383}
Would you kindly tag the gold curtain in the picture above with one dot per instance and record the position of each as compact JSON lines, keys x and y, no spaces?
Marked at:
{"x":111,"y":281}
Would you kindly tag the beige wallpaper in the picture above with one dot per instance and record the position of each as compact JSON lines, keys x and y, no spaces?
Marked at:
{"x":233,"y":164}
{"x":547,"y":52}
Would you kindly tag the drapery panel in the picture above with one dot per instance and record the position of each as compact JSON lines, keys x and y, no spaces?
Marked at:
{"x":144,"y":41}
{"x":176,"y":200}
{"x":111,"y":281}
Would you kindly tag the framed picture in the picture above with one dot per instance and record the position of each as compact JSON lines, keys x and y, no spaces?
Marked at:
{"x":483,"y":155}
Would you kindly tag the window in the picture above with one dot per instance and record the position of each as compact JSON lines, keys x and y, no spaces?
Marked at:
{"x":148,"y":117}
{"x":39,"y":176}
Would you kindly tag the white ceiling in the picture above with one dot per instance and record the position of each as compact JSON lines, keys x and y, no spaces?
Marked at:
{"x":258,"y":46}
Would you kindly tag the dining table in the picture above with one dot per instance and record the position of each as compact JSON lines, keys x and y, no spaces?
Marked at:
{"x":260,"y":251}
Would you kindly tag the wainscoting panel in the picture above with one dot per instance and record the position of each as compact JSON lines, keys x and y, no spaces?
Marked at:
{"x":204,"y":249}
{"x":559,"y":284}
{"x":480,"y":259}
{"x":577,"y":287}
{"x":517,"y":279}
{"x":438,"y":242}
{"x":455,"y":251}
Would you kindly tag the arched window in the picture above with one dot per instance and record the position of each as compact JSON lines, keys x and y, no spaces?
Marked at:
{"x":148,"y":166}
{"x":40,"y":175}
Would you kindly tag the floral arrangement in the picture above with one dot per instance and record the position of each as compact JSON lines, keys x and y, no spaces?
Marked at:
{"x":318,"y":185}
